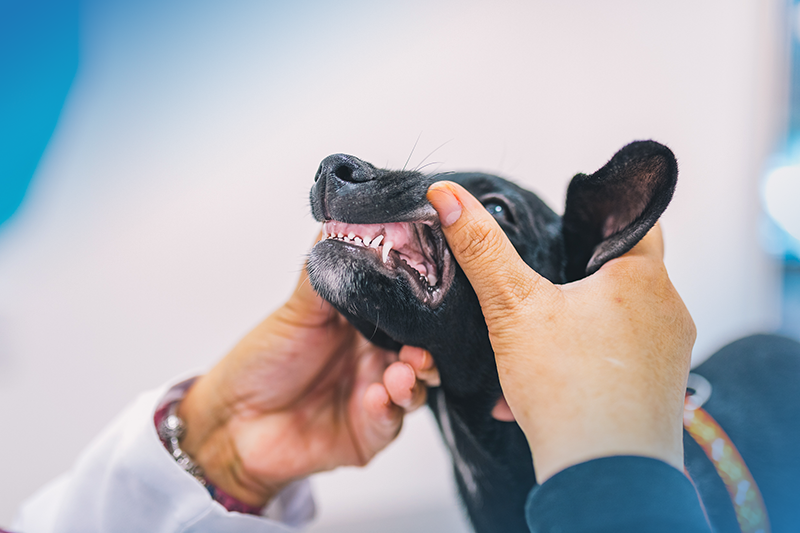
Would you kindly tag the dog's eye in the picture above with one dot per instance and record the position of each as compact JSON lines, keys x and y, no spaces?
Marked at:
{"x":498,"y":210}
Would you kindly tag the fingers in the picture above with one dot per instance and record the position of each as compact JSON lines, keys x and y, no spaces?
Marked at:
{"x":382,"y":422}
{"x":422,"y":363}
{"x":651,"y":245}
{"x":403,"y":387}
{"x":502,"y":411}
{"x":647,"y":255}
{"x":495,"y":270}
{"x":385,"y":403}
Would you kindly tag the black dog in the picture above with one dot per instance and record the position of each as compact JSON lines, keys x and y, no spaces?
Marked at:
{"x":386,"y":266}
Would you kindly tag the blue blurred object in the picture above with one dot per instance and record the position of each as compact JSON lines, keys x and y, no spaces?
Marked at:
{"x":781,"y":185}
{"x":780,"y":193}
{"x":38,"y":61}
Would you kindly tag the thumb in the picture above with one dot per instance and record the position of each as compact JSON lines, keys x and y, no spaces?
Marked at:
{"x":498,"y":274}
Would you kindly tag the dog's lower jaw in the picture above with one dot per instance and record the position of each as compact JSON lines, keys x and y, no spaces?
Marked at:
{"x":343,"y":270}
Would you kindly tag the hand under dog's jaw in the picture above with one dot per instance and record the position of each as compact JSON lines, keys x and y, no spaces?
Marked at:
{"x":413,"y":251}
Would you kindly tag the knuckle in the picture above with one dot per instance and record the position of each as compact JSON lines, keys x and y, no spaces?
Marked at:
{"x":517,"y":297}
{"x":478,"y":242}
{"x":512,"y":292}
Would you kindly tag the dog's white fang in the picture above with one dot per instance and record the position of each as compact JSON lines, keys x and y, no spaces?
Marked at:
{"x":464,"y":469}
{"x":376,"y":242}
{"x":387,"y":247}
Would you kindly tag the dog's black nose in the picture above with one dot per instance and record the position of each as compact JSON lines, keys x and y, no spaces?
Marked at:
{"x":346,"y":168}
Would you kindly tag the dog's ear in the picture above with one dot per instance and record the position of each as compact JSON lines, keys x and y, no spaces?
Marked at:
{"x":608,"y":212}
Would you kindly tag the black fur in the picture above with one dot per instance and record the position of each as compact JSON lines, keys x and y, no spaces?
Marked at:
{"x":606,"y":214}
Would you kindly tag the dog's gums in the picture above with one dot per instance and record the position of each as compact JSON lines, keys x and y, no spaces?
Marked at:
{"x":415,"y":251}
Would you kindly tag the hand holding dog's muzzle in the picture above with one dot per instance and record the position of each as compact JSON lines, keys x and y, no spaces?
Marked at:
{"x":302,"y":393}
{"x":593,"y":368}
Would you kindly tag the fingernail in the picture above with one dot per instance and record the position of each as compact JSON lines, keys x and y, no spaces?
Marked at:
{"x":406,"y":402}
{"x":445,"y":203}
{"x":427,"y":360}
{"x":411,"y":373}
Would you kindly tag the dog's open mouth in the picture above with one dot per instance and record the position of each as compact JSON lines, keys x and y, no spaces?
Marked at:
{"x":415,"y":250}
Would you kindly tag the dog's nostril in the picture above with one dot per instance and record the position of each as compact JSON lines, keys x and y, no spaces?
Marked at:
{"x":344,"y":173}
{"x":346,"y":168}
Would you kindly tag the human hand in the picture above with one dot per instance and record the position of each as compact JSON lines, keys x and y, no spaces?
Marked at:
{"x":589,"y":369}
{"x":303,"y":392}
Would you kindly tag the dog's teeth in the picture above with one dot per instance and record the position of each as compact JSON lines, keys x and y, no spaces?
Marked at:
{"x":357,"y":240}
{"x":340,"y":235}
{"x":387,"y":247}
{"x":366,"y":241}
{"x":346,"y":238}
{"x":432,"y":280}
{"x":351,"y":235}
{"x":377,"y":241}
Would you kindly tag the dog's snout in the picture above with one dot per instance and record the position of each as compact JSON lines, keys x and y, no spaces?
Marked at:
{"x":346,"y":168}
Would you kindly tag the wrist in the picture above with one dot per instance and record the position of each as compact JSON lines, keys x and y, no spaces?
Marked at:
{"x":224,"y":469}
{"x":207,"y":439}
{"x":562,"y":445}
{"x":563,"y":431}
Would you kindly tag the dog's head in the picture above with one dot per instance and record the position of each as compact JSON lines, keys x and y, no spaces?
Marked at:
{"x":386,"y":266}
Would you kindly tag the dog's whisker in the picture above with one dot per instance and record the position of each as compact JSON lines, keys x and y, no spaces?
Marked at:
{"x":377,"y":327}
{"x":430,"y":154}
{"x":429,"y":164}
{"x":412,"y":150}
{"x":442,"y":174}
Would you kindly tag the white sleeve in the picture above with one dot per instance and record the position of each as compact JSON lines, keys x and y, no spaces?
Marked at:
{"x":126,"y":481}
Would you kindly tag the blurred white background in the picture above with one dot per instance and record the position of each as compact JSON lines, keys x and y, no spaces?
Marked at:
{"x":170,"y":213}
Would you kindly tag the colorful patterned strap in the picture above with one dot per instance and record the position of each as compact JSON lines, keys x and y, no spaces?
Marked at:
{"x":745,"y":496}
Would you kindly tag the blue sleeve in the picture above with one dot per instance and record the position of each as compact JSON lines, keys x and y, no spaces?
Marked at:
{"x":616,"y":494}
